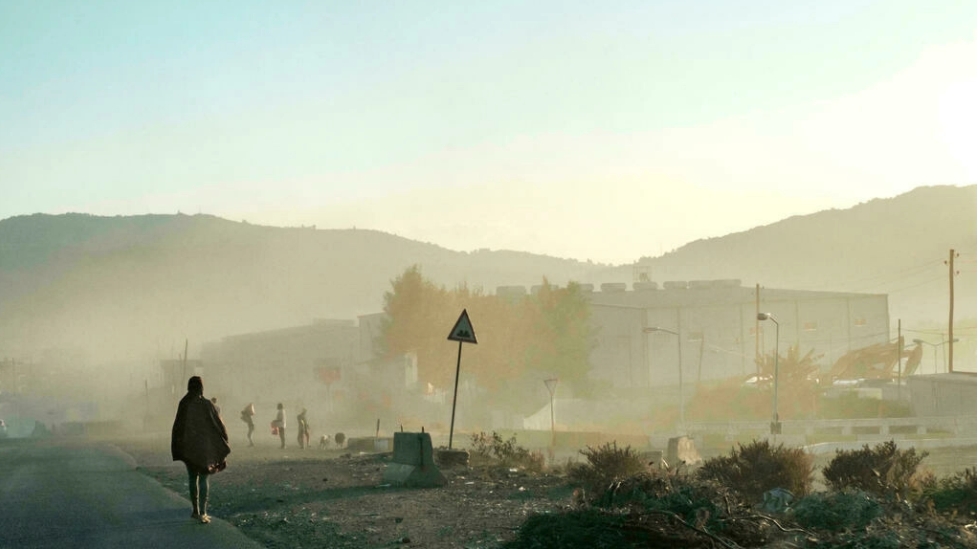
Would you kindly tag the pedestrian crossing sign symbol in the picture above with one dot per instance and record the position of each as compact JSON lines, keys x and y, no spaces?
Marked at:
{"x":463,"y":329}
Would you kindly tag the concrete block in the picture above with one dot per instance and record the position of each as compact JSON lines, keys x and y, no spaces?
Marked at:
{"x":412,"y":464}
{"x":412,"y":449}
{"x":682,"y":449}
{"x":369,"y":444}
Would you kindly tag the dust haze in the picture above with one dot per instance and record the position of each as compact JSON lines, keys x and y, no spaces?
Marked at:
{"x":104,"y":318}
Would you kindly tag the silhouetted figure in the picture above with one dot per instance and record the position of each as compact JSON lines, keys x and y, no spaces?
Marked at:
{"x":200,"y":440}
{"x":247,"y":416}
{"x":279,"y":423}
{"x":303,"y":429}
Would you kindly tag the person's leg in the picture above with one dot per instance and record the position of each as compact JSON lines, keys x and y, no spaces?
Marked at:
{"x":281,"y":435}
{"x":251,"y":429}
{"x":192,"y":477}
{"x":205,"y":488}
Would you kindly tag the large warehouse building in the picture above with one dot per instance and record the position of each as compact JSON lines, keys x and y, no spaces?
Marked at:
{"x":713,"y":326}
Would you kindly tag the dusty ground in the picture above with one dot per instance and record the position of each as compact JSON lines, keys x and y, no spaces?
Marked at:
{"x":334,"y":499}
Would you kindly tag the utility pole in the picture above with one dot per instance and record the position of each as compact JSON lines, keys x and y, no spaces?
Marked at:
{"x":699,"y":370}
{"x":899,"y":360}
{"x":950,"y":315}
{"x":757,"y":328}
{"x":186,"y":342}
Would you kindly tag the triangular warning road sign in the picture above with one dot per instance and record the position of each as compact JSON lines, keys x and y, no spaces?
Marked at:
{"x":463,"y":329}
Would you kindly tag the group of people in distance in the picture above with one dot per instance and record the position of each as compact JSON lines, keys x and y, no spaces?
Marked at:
{"x":278,"y":425}
{"x":200,"y":440}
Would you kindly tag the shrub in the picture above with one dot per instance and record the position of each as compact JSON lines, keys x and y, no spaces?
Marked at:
{"x":692,"y":499}
{"x":883,"y":470}
{"x":645,"y":510}
{"x":506,"y":451}
{"x":758,"y":467}
{"x":836,"y":510}
{"x":955,"y":494}
{"x":606,"y":464}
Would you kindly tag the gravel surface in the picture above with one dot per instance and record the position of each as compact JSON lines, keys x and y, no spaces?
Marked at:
{"x":334,"y":498}
{"x":331,"y":498}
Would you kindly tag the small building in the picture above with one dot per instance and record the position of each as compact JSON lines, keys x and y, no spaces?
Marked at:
{"x":952,"y":394}
{"x":267,"y":365}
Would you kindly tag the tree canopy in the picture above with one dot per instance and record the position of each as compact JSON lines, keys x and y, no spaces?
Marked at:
{"x":544,"y":334}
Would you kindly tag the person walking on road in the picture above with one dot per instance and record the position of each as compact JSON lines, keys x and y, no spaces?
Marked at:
{"x":247,"y":416}
{"x":200,"y":440}
{"x":279,"y":423}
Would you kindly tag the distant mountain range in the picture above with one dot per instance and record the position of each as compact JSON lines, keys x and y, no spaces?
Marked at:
{"x":138,"y":286}
{"x":895,"y":246}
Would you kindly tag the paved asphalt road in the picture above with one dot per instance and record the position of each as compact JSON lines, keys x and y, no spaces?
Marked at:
{"x":62,"y":493}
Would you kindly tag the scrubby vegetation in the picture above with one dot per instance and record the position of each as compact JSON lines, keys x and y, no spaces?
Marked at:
{"x":883,"y":470}
{"x":954,"y":494}
{"x":653,"y":508}
{"x":755,"y":468}
{"x":605,"y":464}
{"x":506,"y":452}
{"x":630,"y":505}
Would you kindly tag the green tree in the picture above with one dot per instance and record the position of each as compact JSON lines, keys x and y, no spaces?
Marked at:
{"x":414,"y":307}
{"x":548,"y":333}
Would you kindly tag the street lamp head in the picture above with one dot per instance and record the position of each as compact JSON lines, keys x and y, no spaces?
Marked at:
{"x":658,"y":329}
{"x":551,"y":384}
{"x":764,"y":316}
{"x":919,"y":341}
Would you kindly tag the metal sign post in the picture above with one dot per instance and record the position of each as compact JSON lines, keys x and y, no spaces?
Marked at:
{"x":461,"y":332}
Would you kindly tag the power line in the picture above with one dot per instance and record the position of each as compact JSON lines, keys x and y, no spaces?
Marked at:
{"x":921,"y":267}
{"x":897,"y":290}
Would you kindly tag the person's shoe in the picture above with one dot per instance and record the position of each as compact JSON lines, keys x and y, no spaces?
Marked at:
{"x":195,"y":515}
{"x":205,"y":519}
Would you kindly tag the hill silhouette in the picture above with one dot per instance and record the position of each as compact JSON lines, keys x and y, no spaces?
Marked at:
{"x":893,"y":245}
{"x":139,"y":285}
{"x":124,"y":284}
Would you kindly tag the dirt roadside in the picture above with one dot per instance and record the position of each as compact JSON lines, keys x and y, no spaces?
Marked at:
{"x":331,"y":498}
{"x":335,"y":499}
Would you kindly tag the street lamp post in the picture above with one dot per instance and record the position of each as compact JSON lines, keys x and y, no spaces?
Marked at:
{"x":776,"y":424}
{"x":935,"y":346}
{"x":552,"y":387}
{"x":682,"y":393}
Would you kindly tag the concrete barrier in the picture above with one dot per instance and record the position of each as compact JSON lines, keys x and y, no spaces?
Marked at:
{"x":413,"y":464}
{"x":369,"y":445}
{"x":896,"y":428}
{"x":682,"y":450}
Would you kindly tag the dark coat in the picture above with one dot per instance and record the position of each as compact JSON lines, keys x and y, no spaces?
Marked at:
{"x":199,"y":438}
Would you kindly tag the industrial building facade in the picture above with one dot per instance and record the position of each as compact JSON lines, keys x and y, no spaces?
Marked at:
{"x":640,"y":335}
{"x":270,"y":365}
{"x":713,"y":326}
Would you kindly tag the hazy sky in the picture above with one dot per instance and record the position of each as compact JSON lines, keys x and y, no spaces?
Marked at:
{"x":593,"y":130}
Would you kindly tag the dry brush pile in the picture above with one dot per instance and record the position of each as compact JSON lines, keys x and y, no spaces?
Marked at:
{"x":759,"y":495}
